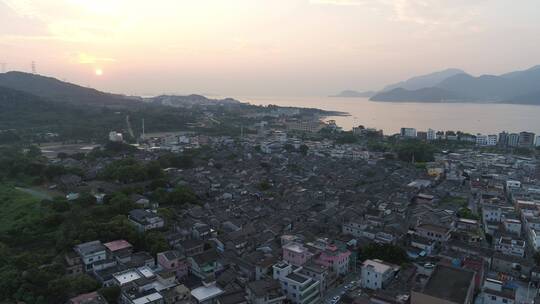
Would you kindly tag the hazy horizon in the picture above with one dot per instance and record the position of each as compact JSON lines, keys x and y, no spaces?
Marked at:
{"x":264,"y":48}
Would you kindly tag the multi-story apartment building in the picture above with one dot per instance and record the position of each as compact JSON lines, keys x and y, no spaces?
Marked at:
{"x":408,"y":132}
{"x":297,"y":287}
{"x":526,"y":139}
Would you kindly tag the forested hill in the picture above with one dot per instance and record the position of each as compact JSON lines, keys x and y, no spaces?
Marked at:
{"x":55,"y":90}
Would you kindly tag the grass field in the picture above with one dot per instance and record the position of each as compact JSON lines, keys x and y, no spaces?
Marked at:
{"x":17,"y":208}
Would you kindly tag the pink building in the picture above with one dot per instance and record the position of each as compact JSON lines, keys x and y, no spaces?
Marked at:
{"x":174,"y":261}
{"x":332,"y":257}
{"x":296,"y":254}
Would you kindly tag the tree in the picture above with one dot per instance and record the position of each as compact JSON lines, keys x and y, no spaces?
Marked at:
{"x":264,"y":185}
{"x":33,"y":151}
{"x":388,"y":253}
{"x":415,"y":150}
{"x":111,"y":294}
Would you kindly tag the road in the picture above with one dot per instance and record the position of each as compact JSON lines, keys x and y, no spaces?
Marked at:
{"x":340,"y":289}
{"x":35,"y":193}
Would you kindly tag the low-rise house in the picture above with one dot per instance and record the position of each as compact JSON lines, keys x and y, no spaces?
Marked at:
{"x":145,"y":220}
{"x":120,"y":250}
{"x":174,"y":261}
{"x":204,"y":265}
{"x":202,"y":232}
{"x":510,"y":246}
{"x":495,"y":293}
{"x":140,"y":259}
{"x":88,"y":298}
{"x":427,"y":246}
{"x":512,"y":226}
{"x":191,"y":247}
{"x":90,"y":253}
{"x":446,"y":285}
{"x":334,"y":258}
{"x":296,"y":253}
{"x":134,"y":295}
{"x":128,"y":276}
{"x":207,"y":294}
{"x":376,"y":274}
{"x":467,"y":224}
{"x":73,"y":263}
{"x":266,"y":291}
{"x":434,"y":232}
{"x":140,"y":200}
{"x":511,"y":265}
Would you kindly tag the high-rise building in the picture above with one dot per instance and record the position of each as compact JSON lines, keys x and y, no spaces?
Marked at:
{"x":537,"y":142}
{"x":431,"y":134}
{"x":526,"y":139}
{"x":492,"y":140}
{"x":408,"y":132}
{"x":481,"y":140}
{"x":503,"y":139}
{"x":513,"y":139}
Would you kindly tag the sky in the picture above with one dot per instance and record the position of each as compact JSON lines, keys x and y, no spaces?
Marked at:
{"x":264,"y":47}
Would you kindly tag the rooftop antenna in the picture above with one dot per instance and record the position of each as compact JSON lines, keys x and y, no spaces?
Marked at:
{"x":33,"y":67}
{"x":3,"y":65}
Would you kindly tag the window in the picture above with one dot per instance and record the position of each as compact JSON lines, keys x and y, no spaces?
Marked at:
{"x":505,"y":301}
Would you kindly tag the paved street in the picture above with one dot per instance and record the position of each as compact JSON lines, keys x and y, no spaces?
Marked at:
{"x":340,"y":289}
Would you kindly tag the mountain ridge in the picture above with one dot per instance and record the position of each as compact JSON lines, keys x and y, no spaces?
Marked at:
{"x":513,"y":87}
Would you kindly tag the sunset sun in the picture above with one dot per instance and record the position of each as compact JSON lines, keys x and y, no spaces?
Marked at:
{"x":98,"y":72}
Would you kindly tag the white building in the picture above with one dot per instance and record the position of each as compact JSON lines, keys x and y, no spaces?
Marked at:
{"x":512,"y":185}
{"x":207,"y":294}
{"x":481,"y":140}
{"x":492,"y":140}
{"x":431,"y":134}
{"x":127,"y":276}
{"x":116,"y":137}
{"x":297,"y":287}
{"x":90,"y":253}
{"x":511,"y":246}
{"x":491,"y":213}
{"x":376,"y":274}
{"x":408,"y":132}
{"x":494,"y":293}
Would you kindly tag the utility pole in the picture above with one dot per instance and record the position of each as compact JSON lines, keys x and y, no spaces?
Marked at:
{"x":33,"y":67}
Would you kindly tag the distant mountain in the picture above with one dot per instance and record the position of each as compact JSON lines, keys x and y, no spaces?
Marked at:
{"x":506,"y":87}
{"x":189,"y":100}
{"x":420,"y":95}
{"x":531,"y":98}
{"x":514,"y":87}
{"x":351,"y":93}
{"x":424,"y":81}
{"x":55,"y":90}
